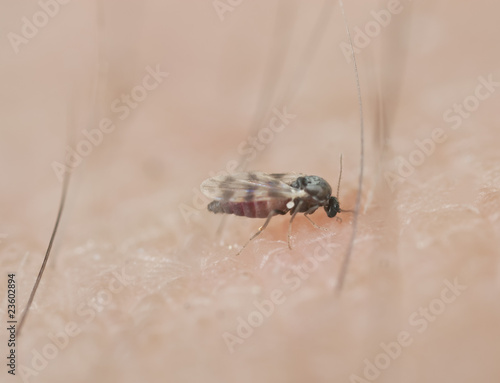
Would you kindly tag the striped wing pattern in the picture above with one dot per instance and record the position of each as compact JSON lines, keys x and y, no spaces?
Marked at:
{"x":251,"y":186}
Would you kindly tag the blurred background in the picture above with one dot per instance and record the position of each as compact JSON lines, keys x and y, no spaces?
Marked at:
{"x":142,"y":101}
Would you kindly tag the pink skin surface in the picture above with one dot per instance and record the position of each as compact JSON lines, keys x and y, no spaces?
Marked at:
{"x":139,"y":287}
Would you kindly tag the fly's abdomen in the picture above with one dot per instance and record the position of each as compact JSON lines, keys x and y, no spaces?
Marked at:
{"x":250,"y":209}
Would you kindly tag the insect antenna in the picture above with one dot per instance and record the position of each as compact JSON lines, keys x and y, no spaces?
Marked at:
{"x":340,"y":176}
{"x":338,"y":187}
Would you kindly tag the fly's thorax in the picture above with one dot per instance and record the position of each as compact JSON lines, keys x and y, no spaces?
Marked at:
{"x":318,"y":191}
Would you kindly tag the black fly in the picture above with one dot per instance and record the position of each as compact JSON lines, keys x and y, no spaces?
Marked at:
{"x":262,"y":195}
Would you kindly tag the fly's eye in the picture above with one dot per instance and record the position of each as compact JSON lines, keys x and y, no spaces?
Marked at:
{"x":333,"y":207}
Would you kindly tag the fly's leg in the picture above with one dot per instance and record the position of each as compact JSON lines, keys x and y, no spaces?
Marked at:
{"x":314,"y":223}
{"x":262,"y":228}
{"x":297,"y":209}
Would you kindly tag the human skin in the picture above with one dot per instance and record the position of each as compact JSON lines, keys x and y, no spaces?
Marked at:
{"x":145,"y":292}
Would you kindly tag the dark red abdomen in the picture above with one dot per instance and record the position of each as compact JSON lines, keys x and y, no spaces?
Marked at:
{"x":250,"y":209}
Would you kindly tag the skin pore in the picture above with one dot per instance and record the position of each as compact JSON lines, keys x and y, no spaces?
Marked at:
{"x":140,"y":287}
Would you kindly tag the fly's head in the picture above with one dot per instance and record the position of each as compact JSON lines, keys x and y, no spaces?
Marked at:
{"x":333,"y":207}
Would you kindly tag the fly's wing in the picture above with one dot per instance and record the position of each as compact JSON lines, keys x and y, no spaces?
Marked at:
{"x":287,"y":178}
{"x":251,"y":187}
